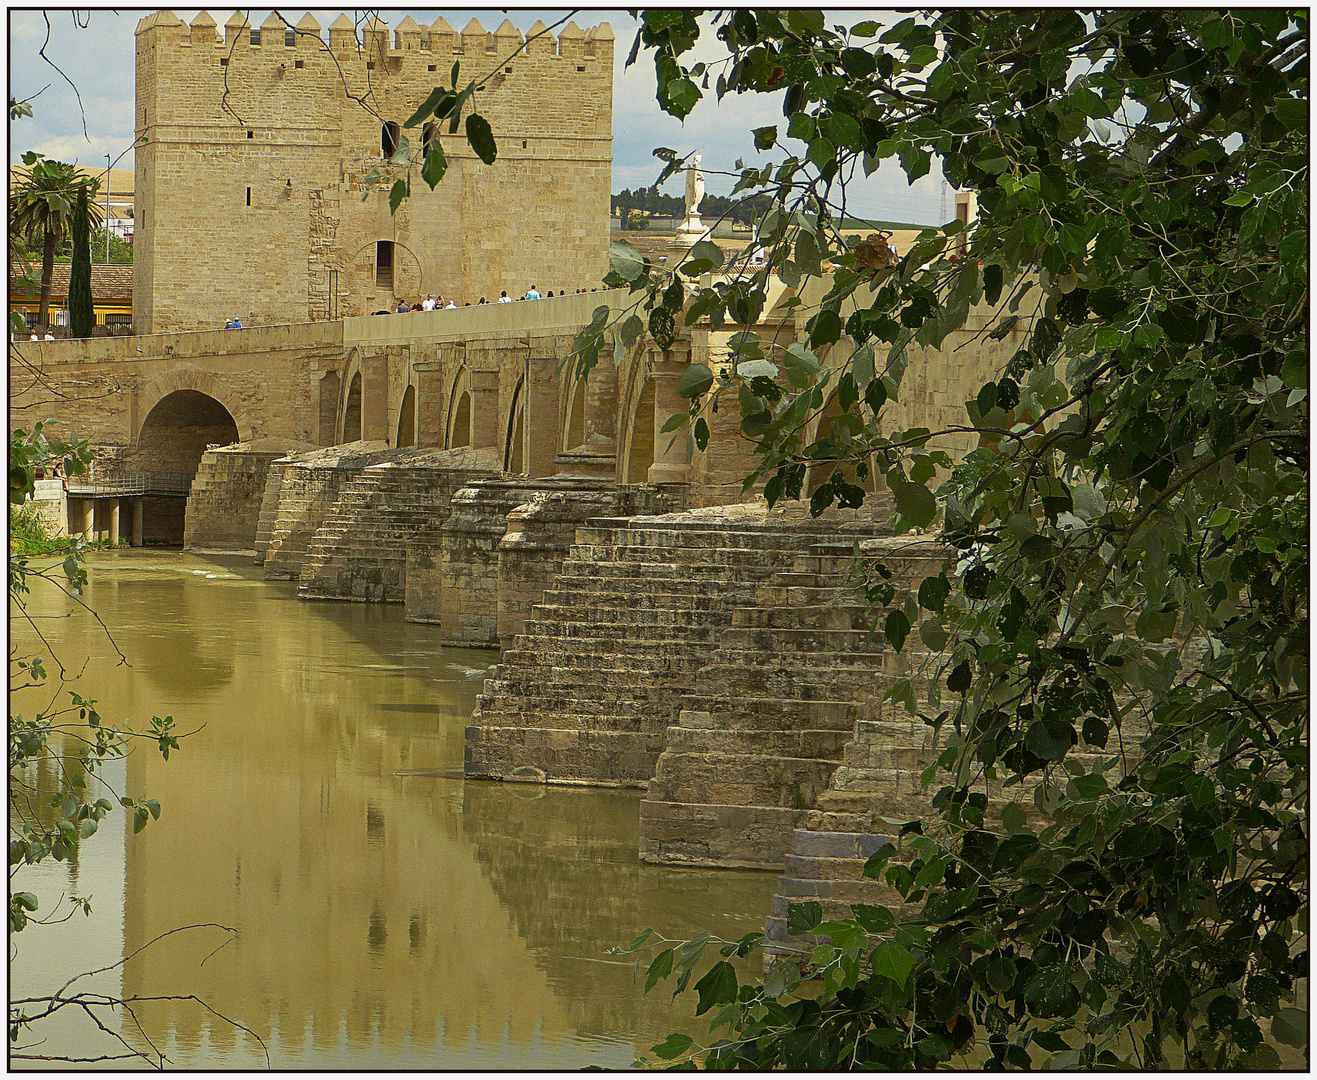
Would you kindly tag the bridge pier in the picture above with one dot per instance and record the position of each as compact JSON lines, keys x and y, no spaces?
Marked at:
{"x":138,"y":515}
{"x":114,"y":522}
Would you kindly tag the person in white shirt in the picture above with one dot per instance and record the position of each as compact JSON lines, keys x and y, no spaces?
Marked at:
{"x":504,"y":299}
{"x":37,"y":337}
{"x":427,"y":304}
{"x":50,"y":336}
{"x":452,"y":305}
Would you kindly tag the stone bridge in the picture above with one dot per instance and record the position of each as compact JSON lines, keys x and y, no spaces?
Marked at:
{"x":480,"y":377}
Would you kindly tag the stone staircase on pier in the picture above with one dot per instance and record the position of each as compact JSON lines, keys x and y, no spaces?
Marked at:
{"x":588,"y":690}
{"x":306,"y":486}
{"x":762,"y":731}
{"x":359,"y":552}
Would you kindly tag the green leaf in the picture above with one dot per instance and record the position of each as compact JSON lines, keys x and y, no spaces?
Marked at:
{"x":804,"y":917}
{"x":1050,"y":739}
{"x":626,"y":261}
{"x":893,"y":960}
{"x":1090,"y":786}
{"x":896,"y":629}
{"x":481,"y":137}
{"x":701,"y":433}
{"x":673,"y":1046}
{"x":659,"y":968}
{"x":874,"y":918}
{"x":397,"y":193}
{"x":1137,"y":842}
{"x":1290,"y":1026}
{"x":754,"y":369}
{"x":827,"y":329}
{"x":436,"y":164}
{"x":673,"y":422}
{"x":706,"y":251}
{"x":1050,"y":993}
{"x":695,"y":381}
{"x":1013,"y":817}
{"x":427,"y":106}
{"x":718,"y":986}
{"x":1155,"y":626}
{"x":915,"y":503}
{"x":765,"y":137}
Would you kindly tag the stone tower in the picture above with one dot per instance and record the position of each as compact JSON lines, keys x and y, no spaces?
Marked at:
{"x":258,"y":144}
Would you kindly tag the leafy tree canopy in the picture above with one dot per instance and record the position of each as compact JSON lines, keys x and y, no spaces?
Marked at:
{"x":1120,"y":635}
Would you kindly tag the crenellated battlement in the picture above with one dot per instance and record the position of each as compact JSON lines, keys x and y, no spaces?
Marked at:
{"x":264,"y":139}
{"x":373,"y":40}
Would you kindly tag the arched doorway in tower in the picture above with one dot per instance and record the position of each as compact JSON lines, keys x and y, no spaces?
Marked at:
{"x":170,"y":443}
{"x":352,"y":414}
{"x":407,"y":418}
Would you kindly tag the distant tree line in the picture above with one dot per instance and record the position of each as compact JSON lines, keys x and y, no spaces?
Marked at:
{"x":651,"y":201}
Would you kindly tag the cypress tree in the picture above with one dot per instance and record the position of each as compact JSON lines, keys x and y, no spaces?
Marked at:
{"x":82,"y":314}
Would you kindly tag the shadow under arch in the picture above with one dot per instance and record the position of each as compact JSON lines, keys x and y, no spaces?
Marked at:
{"x":514,"y":451}
{"x":407,"y":418}
{"x":176,"y":432}
{"x":458,"y":431}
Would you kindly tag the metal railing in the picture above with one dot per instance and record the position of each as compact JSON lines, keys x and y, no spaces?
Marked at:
{"x":159,"y":484}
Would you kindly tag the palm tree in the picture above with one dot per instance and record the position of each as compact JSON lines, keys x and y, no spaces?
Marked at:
{"x":42,"y":205}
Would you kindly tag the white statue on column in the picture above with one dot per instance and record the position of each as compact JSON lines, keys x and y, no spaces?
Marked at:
{"x":692,"y":228}
{"x":694,"y":189}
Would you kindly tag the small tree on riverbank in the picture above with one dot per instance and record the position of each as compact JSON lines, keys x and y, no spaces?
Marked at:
{"x":82,"y":313}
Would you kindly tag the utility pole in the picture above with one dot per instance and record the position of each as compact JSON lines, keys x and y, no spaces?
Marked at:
{"x":107,"y":210}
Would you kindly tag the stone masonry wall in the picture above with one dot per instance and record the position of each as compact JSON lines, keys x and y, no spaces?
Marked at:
{"x":224,"y":504}
{"x":278,"y":172}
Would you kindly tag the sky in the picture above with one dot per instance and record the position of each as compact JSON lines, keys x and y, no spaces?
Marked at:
{"x":95,"y":50}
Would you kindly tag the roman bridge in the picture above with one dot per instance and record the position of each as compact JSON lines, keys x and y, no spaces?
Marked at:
{"x":481,"y":377}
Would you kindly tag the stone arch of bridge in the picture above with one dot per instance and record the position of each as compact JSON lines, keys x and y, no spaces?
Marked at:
{"x":514,"y":451}
{"x":457,"y":432}
{"x":637,"y":436}
{"x":818,"y":473}
{"x":406,"y":426}
{"x":349,"y":407}
{"x":176,"y":432}
{"x":573,"y":428}
{"x":187,"y":377}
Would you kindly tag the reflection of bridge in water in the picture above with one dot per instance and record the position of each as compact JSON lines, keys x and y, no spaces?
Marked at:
{"x":97,"y":505}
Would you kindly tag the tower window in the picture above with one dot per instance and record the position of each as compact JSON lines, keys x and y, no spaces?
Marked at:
{"x":290,"y":36}
{"x":389,"y":138}
{"x":432,"y":67}
{"x":224,"y":62}
{"x":249,"y":196}
{"x":250,"y":135}
{"x":370,"y":65}
{"x":581,"y":68}
{"x":299,"y":63}
{"x":384,"y":264}
{"x":523,"y":144}
{"x":256,"y":37}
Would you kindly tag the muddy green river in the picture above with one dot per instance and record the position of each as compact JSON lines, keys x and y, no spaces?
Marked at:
{"x":388,"y":914}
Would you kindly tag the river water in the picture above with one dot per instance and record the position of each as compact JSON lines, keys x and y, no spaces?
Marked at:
{"x":388,"y":913}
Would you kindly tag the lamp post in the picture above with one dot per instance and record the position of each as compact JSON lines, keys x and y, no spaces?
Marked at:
{"x":108,"y":166}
